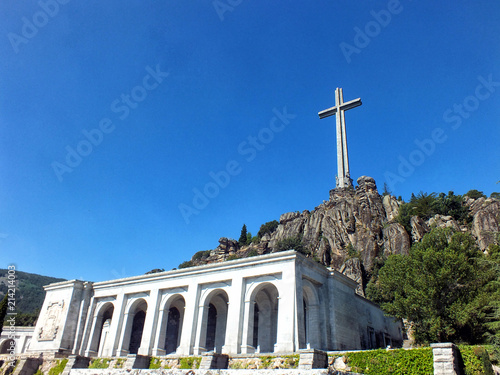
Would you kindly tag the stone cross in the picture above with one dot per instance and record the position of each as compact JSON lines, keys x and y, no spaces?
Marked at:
{"x":343,"y":176}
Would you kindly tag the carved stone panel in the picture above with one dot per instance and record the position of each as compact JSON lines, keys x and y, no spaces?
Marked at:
{"x":48,"y":332}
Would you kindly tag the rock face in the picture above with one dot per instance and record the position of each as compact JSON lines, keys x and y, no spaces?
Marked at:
{"x":486,"y":220}
{"x":353,"y":219}
{"x":354,"y":269}
{"x":226,"y":246}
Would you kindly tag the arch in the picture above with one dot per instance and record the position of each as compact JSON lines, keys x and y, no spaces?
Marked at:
{"x":100,"y":332}
{"x":172,"y":317}
{"x":134,"y":325}
{"x":5,"y":347}
{"x":312,"y":324}
{"x":263,"y":317}
{"x":214,"y":321}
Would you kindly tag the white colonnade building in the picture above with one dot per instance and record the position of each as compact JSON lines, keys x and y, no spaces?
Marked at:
{"x":280,"y":302}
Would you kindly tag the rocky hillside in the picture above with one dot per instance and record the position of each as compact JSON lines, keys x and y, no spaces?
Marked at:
{"x":354,"y":228}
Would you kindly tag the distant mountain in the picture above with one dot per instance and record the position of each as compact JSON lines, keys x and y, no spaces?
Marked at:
{"x":29,"y":293}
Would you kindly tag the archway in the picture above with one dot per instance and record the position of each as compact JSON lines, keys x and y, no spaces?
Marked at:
{"x":311,"y":323}
{"x":105,"y":323}
{"x":215,"y":321}
{"x":170,"y":329}
{"x":5,"y":347}
{"x":100,"y":333}
{"x":264,"y":318}
{"x":135,"y":325}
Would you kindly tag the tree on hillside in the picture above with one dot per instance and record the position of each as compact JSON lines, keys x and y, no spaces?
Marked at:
{"x":441,"y":287}
{"x":475,"y":194}
{"x":243,"y":236}
{"x":267,"y":228}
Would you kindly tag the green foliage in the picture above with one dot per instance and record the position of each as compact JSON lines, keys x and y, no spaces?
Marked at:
{"x":39,"y":372}
{"x":59,"y":367}
{"x":266,"y":361}
{"x":243,"y":236}
{"x":292,"y":243}
{"x":427,"y":205}
{"x":201,"y":255}
{"x":441,"y":287}
{"x":475,"y":194}
{"x":352,"y":252}
{"x":476,"y":360}
{"x":495,"y":195}
{"x":119,"y":363}
{"x":232,"y":257}
{"x":154,"y":363}
{"x":187,"y":363}
{"x":252,"y":253}
{"x":394,"y":362}
{"x":3,"y":311}
{"x":249,"y":238}
{"x":99,"y":363}
{"x":186,"y":264}
{"x":267,"y":228}
{"x":155,"y":270}
{"x":292,"y":361}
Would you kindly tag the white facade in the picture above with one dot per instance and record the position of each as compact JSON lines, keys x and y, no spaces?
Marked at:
{"x":281,"y":302}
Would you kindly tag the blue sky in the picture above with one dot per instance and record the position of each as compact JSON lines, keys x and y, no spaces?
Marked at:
{"x":116,"y":117}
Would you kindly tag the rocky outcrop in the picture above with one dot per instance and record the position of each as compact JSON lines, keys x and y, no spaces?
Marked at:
{"x":440,"y":221}
{"x":391,"y":207}
{"x":486,"y":220}
{"x":352,"y":217}
{"x":353,"y":269}
{"x":227,"y":246}
{"x":396,"y":239}
{"x":418,"y":228}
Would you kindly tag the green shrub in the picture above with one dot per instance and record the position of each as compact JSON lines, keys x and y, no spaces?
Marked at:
{"x":266,"y":361}
{"x":38,"y":372}
{"x":99,"y":363}
{"x":154,"y":363}
{"x":252,"y":253}
{"x":476,"y":360}
{"x":232,"y":257}
{"x":292,"y":360}
{"x":189,"y":363}
{"x":267,"y":228}
{"x":292,"y":243}
{"x":394,"y":362}
{"x":201,"y":255}
{"x":119,"y":363}
{"x":186,"y":264}
{"x":59,"y":367}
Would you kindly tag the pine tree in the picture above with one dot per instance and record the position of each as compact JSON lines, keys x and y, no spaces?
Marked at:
{"x":243,"y":237}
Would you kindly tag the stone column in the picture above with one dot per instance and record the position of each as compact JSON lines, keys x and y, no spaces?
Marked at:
{"x":90,"y":331}
{"x":159,"y":339}
{"x":235,"y":318}
{"x":287,"y":313}
{"x":201,"y":330}
{"x":190,"y":317}
{"x":445,"y":359}
{"x":246,"y":347}
{"x":150,"y":323}
{"x":126,"y":331}
{"x":115,"y":328}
